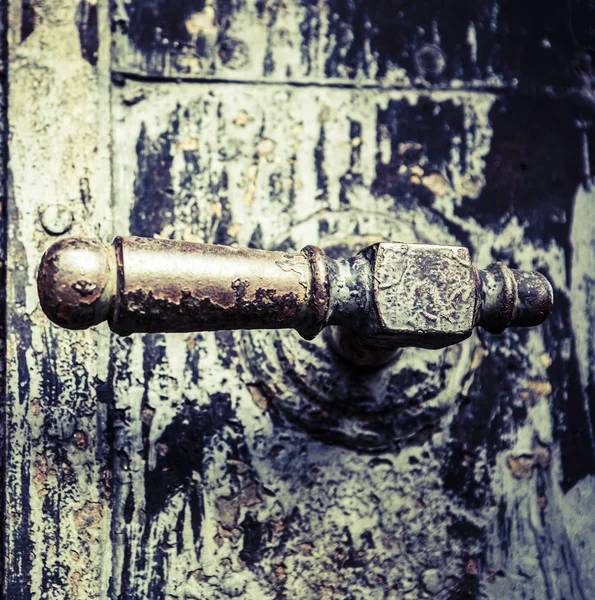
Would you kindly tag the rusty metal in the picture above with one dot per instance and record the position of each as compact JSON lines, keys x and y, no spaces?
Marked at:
{"x":388,"y":296}
{"x":75,"y":282}
{"x":319,"y":290}
{"x":168,"y":286}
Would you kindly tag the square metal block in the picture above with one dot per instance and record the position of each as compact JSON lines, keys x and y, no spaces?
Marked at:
{"x":424,"y":292}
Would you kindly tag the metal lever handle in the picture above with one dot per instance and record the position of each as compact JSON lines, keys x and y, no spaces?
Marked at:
{"x":389,"y":295}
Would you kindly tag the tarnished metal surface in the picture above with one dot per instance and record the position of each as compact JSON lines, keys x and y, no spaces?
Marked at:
{"x":512,"y":298}
{"x":319,"y":291}
{"x":169,"y":466}
{"x":425,"y":292}
{"x":165,"y":285}
{"x":76,"y":282}
{"x":280,"y":167}
{"x":431,"y":296}
{"x":390,"y":295}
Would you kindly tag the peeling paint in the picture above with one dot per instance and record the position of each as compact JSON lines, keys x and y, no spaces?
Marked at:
{"x":176,"y":466}
{"x":51,"y":474}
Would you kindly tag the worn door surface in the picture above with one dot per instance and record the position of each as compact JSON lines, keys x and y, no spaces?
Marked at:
{"x":256,"y":464}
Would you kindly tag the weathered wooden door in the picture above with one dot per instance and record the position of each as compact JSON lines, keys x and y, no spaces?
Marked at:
{"x":256,"y":465}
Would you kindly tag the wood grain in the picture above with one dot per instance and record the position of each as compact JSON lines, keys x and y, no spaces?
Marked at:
{"x":58,"y":478}
{"x":199,"y":466}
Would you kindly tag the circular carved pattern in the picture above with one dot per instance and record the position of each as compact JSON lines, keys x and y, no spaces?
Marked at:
{"x":308,"y":384}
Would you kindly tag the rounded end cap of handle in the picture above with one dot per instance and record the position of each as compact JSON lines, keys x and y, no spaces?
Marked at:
{"x":535,"y":299}
{"x":512,"y":298}
{"x":75,"y":283}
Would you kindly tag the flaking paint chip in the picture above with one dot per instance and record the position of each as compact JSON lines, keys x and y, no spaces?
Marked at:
{"x":436,"y":183}
{"x":88,"y":516}
{"x":241,"y":119}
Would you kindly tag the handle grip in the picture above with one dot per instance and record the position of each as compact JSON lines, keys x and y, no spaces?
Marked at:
{"x":389,"y":295}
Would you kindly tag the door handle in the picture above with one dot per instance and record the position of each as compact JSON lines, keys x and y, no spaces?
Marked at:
{"x":388,"y":296}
